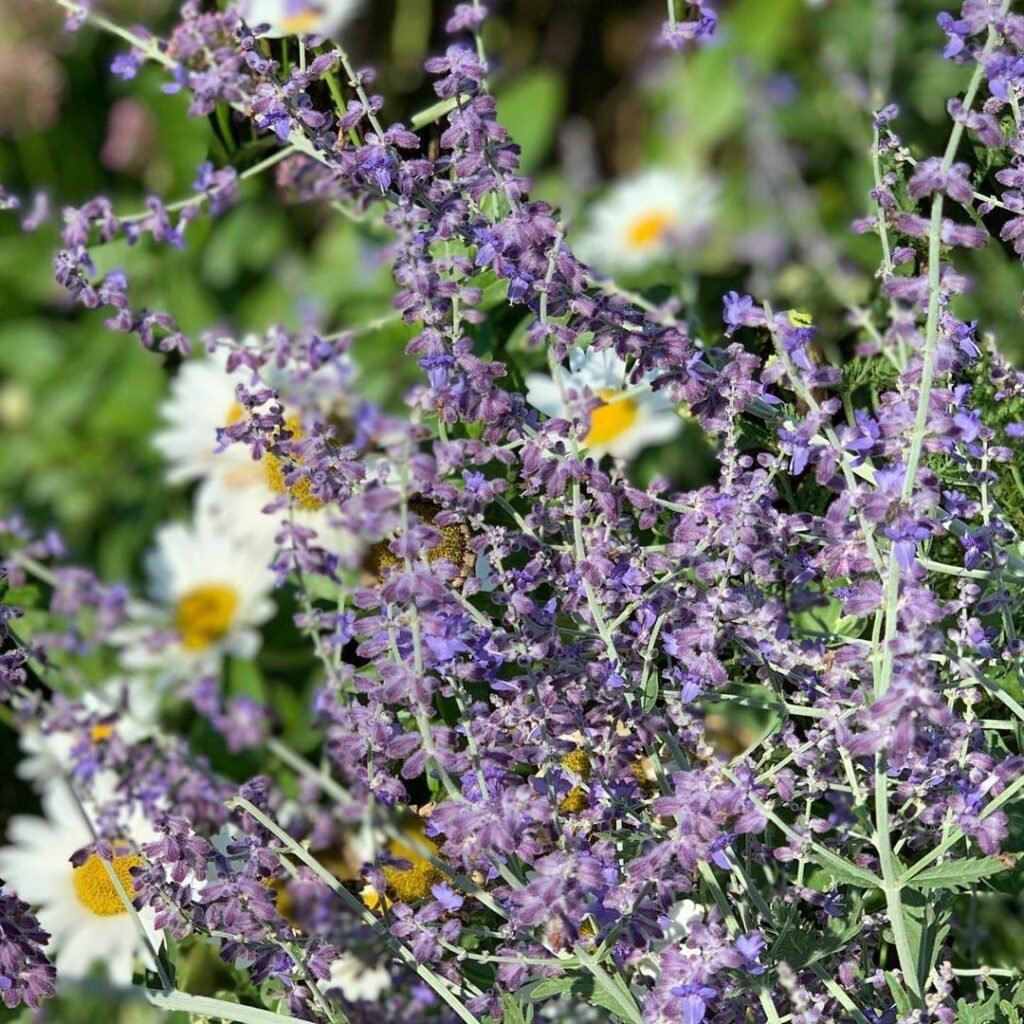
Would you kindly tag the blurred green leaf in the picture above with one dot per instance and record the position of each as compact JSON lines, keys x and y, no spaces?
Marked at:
{"x":531,"y":109}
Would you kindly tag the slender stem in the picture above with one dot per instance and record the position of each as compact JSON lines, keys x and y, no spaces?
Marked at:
{"x":845,"y":460}
{"x":145,"y":46}
{"x":299,"y":764}
{"x":825,"y":857}
{"x":250,"y":172}
{"x":884,"y":664}
{"x":735,"y":928}
{"x":985,"y":972}
{"x":839,"y":994}
{"x":204,"y":1006}
{"x":883,"y":228}
{"x":934,"y":266}
{"x":891,"y":883}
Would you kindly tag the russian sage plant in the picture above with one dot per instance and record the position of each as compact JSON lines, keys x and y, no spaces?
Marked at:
{"x":514,"y":804}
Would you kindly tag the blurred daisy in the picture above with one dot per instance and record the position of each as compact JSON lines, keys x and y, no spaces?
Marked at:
{"x":201,"y":402}
{"x":407,"y":873}
{"x":629,"y":417}
{"x":676,"y":929}
{"x":646,"y":218}
{"x":357,"y":980}
{"x":80,"y":907}
{"x":236,"y":489}
{"x":453,"y":547}
{"x":299,"y":17}
{"x":211,"y":595}
{"x":677,"y":924}
{"x":121,"y":708}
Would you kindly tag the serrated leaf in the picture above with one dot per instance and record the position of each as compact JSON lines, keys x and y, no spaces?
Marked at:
{"x":1010,"y":683}
{"x":583,"y":989}
{"x":926,"y":922}
{"x":574,"y":983}
{"x":609,"y":1002}
{"x":957,"y":874}
{"x":1009,"y":1011}
{"x":977,"y":1013}
{"x":843,"y":871}
{"x":514,"y":1011}
{"x":558,"y":986}
{"x":875,"y":372}
{"x":800,"y":948}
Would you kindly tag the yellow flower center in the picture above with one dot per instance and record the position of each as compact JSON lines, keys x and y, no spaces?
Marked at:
{"x":648,"y":229}
{"x":277,"y":471}
{"x":576,"y":800}
{"x":99,"y":733}
{"x":205,"y":614}
{"x":578,"y":761}
{"x":300,"y":21}
{"x":95,"y":889}
{"x":798,"y":318}
{"x":410,"y":883}
{"x":612,"y":419}
{"x":243,"y":474}
{"x":644,"y":776}
{"x":453,"y":546}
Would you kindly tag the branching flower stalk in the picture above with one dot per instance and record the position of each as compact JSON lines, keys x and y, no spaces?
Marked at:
{"x":883,"y":838}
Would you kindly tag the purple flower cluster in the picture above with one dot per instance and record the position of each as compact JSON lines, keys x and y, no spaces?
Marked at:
{"x":26,"y":975}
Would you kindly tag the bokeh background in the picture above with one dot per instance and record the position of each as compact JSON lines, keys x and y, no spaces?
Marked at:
{"x":777,"y":108}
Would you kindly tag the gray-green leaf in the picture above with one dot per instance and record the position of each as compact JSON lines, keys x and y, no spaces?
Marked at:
{"x":956,"y":874}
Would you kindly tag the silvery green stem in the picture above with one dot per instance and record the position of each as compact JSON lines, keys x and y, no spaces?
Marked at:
{"x":884,"y":664}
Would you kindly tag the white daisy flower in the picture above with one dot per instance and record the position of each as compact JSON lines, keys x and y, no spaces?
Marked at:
{"x":630,"y":418}
{"x":676,"y":927}
{"x":80,"y":907}
{"x":646,"y":218}
{"x":235,"y":488}
{"x":211,"y":594}
{"x":679,"y":922}
{"x":299,"y":17}
{"x":124,"y":708}
{"x":241,"y":512}
{"x":357,"y":980}
{"x":201,"y":402}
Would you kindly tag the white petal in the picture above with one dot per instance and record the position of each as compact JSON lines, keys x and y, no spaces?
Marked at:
{"x":544,"y":394}
{"x":77,"y":953}
{"x":21,"y":870}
